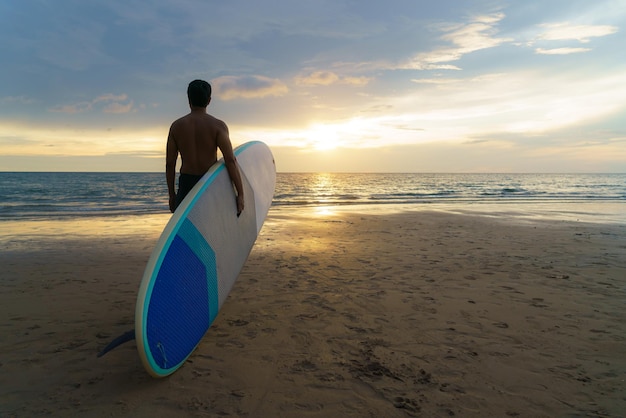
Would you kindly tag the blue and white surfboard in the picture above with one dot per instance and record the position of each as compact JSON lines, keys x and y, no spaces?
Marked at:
{"x":198,"y":258}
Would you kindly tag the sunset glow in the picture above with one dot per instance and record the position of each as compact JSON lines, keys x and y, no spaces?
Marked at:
{"x":402,"y":86}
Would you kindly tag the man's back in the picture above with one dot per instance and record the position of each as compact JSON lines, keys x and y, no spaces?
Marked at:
{"x":196,"y":136}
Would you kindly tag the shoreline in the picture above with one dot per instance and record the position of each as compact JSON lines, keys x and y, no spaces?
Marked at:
{"x":603,"y":212}
{"x":597,"y":212}
{"x":420,"y":313}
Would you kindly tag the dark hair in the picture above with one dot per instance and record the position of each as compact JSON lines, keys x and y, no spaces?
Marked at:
{"x":199,"y":93}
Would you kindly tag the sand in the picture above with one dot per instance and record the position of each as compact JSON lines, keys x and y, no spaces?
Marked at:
{"x":335,"y":314}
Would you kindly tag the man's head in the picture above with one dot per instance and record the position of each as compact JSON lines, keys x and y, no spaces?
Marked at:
{"x":199,"y":93}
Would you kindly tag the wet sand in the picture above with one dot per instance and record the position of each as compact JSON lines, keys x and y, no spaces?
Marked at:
{"x":334,"y":314}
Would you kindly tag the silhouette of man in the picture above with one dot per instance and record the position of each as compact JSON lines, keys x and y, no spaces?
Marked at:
{"x":196,"y":137}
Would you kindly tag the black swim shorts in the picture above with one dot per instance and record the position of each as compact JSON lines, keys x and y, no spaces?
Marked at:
{"x":185,"y":184}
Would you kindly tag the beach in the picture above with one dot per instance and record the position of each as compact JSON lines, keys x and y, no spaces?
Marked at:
{"x":336,"y":313}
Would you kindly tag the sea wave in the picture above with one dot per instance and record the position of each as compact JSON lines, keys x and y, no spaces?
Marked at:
{"x":32,"y":195}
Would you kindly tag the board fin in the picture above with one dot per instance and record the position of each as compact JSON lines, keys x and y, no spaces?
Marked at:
{"x":125,"y":337}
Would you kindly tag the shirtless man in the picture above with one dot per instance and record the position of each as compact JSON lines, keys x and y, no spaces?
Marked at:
{"x":197,"y":136}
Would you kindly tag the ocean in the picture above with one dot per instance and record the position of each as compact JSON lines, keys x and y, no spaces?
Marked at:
{"x":60,"y":195}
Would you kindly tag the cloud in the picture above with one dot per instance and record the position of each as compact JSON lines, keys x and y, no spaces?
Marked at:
{"x":111,"y":103}
{"x":561,"y":51}
{"x":7,"y":140}
{"x":523,"y":104}
{"x":478,"y":33}
{"x":466,"y":38}
{"x":110,"y":98}
{"x":321,"y":78}
{"x":326,"y":78}
{"x":59,"y":37}
{"x":436,"y":80}
{"x":248,"y":87}
{"x":17,"y":100}
{"x":48,"y":140}
{"x":581,"y":33}
{"x":356,"y":81}
{"x":565,"y":31}
{"x":72,"y":108}
{"x":134,"y":153}
{"x":118,"y":108}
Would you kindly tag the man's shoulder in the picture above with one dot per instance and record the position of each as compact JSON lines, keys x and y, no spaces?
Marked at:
{"x":214,"y":119}
{"x":180,"y":120}
{"x":216,"y":123}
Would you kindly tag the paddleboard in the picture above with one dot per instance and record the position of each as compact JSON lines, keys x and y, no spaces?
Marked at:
{"x":197,"y":259}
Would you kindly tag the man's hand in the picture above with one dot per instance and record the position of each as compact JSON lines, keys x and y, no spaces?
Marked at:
{"x":239,"y":205}
{"x":172,"y":203}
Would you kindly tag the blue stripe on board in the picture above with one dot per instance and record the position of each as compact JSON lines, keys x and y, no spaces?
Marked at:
{"x":178,"y":314}
{"x":192,"y":237}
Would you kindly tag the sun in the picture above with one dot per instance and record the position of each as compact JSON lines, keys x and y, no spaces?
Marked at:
{"x":323,"y":137}
{"x":325,"y":145}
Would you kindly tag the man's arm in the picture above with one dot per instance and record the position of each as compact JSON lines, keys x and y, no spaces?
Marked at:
{"x":171,"y":156}
{"x":224,"y":144}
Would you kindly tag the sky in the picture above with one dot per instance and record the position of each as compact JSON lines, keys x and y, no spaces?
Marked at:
{"x":329,"y":85}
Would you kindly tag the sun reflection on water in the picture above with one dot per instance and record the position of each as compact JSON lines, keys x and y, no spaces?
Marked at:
{"x":323,"y":187}
{"x":324,"y":211}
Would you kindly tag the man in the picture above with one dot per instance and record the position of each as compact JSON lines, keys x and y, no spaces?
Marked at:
{"x":197,"y":136}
